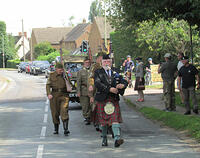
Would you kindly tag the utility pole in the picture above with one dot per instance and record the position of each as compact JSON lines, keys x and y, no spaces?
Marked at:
{"x":23,"y":40}
{"x":3,"y":50}
{"x":105,"y":31}
{"x":191,"y":44}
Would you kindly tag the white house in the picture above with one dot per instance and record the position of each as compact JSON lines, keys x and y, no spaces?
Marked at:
{"x":19,"y":45}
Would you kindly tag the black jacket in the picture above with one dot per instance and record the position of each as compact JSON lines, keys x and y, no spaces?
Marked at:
{"x":101,"y":81}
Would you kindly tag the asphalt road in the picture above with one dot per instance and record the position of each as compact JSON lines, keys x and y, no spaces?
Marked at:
{"x":26,"y":129}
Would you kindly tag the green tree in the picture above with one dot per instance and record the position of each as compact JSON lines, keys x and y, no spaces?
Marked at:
{"x":12,"y":52}
{"x":50,"y":57}
{"x":129,"y":12}
{"x":95,"y":10}
{"x":43,"y":48}
{"x":71,"y":18}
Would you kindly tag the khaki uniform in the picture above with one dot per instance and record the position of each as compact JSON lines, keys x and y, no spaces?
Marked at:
{"x":93,"y":68}
{"x":82,"y":88}
{"x":56,"y":86}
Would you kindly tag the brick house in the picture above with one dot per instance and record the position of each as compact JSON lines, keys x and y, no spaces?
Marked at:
{"x":97,"y":37}
{"x":50,"y":34}
{"x":74,"y":38}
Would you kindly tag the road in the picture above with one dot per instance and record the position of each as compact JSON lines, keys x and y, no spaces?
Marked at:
{"x":26,"y":129}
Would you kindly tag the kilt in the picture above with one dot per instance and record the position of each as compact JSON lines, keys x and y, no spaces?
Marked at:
{"x":139,"y":83}
{"x":102,"y":118}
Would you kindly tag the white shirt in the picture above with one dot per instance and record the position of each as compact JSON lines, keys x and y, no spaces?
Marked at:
{"x":180,"y":64}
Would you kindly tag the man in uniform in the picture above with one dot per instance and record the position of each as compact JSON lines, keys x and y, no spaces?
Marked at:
{"x":57,"y":88}
{"x":168,"y":70}
{"x":91,"y":87}
{"x":82,"y":90}
{"x":109,"y":85}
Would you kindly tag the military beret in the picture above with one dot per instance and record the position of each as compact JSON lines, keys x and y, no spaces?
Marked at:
{"x":106,"y":56}
{"x":59,"y":66}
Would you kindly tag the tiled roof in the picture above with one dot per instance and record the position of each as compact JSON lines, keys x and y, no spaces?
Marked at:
{"x":76,"y":32}
{"x":101,"y":25}
{"x":51,"y":34}
{"x":17,"y":38}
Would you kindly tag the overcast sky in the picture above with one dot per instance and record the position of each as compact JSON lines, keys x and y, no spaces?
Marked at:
{"x":42,"y":13}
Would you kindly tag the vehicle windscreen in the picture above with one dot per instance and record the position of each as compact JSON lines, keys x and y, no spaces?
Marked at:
{"x":73,"y":67}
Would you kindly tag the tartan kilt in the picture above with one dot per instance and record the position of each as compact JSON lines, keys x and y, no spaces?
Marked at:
{"x":102,"y":118}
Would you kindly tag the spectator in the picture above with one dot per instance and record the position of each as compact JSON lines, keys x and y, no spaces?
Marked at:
{"x":129,"y":66}
{"x":148,"y":72}
{"x":180,"y":64}
{"x":168,"y":70}
{"x":139,"y":83}
{"x":187,"y":73}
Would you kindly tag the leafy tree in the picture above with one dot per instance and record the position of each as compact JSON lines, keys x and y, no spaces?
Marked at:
{"x":95,"y":10}
{"x":12,"y":52}
{"x":152,"y":39}
{"x":71,"y":18}
{"x":43,"y":48}
{"x":129,"y":12}
{"x":50,"y":57}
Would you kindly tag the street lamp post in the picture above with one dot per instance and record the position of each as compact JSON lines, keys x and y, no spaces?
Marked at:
{"x":3,"y":50}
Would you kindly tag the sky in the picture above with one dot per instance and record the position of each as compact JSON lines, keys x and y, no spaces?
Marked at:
{"x":42,"y":13}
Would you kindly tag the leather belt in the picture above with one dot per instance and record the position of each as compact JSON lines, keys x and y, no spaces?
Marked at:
{"x":60,"y":90}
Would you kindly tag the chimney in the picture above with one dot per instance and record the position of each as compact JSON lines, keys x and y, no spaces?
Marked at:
{"x":20,"y":34}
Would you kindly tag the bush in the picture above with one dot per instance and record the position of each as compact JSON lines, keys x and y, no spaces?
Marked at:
{"x":12,"y":63}
{"x":50,"y":57}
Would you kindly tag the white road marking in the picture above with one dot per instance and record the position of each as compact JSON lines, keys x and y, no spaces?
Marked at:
{"x":45,"y":118}
{"x":46,"y":108}
{"x":43,"y":132}
{"x":47,"y":101}
{"x":40,"y":151}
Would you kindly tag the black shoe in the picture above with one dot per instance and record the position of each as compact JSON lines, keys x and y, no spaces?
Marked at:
{"x":66,"y":132}
{"x":56,"y":127}
{"x":187,"y":113}
{"x":166,"y":110}
{"x":105,"y":142}
{"x":55,"y":132}
{"x":119,"y":142}
{"x":196,"y":111}
{"x":173,"y":109}
{"x":87,"y":122}
{"x":65,"y":126}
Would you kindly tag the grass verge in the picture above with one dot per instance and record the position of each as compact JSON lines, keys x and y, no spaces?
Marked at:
{"x":180,"y":122}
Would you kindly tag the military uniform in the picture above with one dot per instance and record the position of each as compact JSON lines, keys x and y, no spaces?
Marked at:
{"x":168,"y":70}
{"x":93,"y":68}
{"x":82,"y":89}
{"x":56,"y":86}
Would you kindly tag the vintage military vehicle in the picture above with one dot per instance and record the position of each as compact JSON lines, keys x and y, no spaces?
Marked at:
{"x":72,"y":65}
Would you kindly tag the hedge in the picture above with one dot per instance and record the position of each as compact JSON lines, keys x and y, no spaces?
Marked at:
{"x":12,"y":63}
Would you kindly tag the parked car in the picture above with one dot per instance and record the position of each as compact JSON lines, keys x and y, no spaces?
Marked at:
{"x":39,"y":67}
{"x":27,"y":68}
{"x":50,"y":69}
{"x":22,"y":67}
